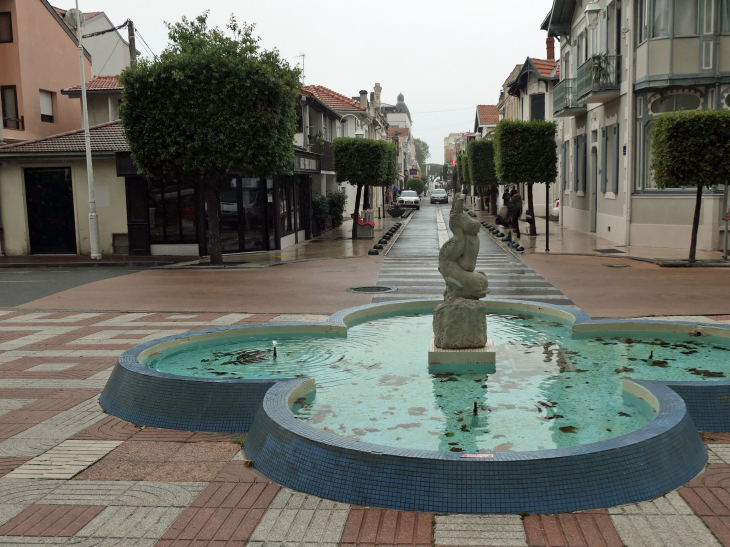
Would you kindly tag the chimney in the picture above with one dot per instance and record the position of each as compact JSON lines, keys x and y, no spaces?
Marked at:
{"x":378,"y":89}
{"x":550,"y":48}
{"x":364,"y":99}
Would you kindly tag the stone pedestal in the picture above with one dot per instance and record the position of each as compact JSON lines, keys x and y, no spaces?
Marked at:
{"x":462,"y":361}
{"x":460,"y":323}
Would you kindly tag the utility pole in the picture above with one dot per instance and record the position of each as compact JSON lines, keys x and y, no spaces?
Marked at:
{"x":132,"y":43}
{"x":93,"y":216}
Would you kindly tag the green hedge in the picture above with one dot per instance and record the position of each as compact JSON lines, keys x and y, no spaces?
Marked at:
{"x":415,"y":184}
{"x":364,"y":162}
{"x":521,"y":153}
{"x":336,"y":202}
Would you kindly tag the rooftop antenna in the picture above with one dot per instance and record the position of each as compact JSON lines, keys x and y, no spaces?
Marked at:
{"x":302,"y":55}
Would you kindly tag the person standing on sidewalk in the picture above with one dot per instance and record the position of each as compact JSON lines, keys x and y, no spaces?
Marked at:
{"x":514,"y":212}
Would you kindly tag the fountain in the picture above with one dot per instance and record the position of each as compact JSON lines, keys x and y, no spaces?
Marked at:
{"x":460,"y":322}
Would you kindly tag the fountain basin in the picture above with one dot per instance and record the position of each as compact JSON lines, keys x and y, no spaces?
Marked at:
{"x":661,"y":455}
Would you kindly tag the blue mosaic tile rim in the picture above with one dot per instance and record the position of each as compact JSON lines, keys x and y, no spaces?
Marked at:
{"x":645,"y":463}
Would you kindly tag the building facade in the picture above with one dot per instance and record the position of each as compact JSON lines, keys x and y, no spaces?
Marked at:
{"x":625,"y":63}
{"x":38,"y":58}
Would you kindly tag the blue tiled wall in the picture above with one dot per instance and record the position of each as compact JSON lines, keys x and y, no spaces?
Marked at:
{"x":707,"y":402}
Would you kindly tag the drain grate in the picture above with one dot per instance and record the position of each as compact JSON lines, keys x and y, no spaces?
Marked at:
{"x":609,"y":251}
{"x":617,"y":265}
{"x":371,"y":290}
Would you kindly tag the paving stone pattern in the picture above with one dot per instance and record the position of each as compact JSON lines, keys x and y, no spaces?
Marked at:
{"x":98,"y":481}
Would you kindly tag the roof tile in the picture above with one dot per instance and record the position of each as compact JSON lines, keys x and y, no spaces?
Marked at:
{"x":333,"y":99}
{"x":99,"y":83}
{"x":488,"y":114}
{"x":105,"y":137}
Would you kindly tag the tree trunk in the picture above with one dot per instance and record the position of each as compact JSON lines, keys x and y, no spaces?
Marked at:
{"x":366,"y":200}
{"x":212,"y":200}
{"x":531,"y":207}
{"x":357,"y":211}
{"x":493,"y":204}
{"x":695,"y":225}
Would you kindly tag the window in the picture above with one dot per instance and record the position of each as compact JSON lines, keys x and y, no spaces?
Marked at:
{"x":674,"y":103}
{"x":537,"y":107}
{"x":660,"y":19}
{"x":643,"y":19}
{"x":685,"y":17}
{"x":707,"y":54}
{"x":725,"y":16}
{"x":727,"y":101}
{"x":10,"y":107}
{"x":46,"y":106}
{"x":6,"y":28}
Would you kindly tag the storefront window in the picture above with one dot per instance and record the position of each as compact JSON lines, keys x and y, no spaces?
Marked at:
{"x":685,"y":17}
{"x":172,"y":212}
{"x":289,"y":208}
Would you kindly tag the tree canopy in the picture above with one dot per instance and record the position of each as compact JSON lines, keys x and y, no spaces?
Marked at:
{"x":691,"y":148}
{"x":522,"y":153}
{"x":187,"y":114}
{"x":481,"y":163}
{"x":422,"y":152}
{"x":415,"y":184}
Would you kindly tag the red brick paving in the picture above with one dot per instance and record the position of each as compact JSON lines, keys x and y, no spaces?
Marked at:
{"x":164,"y":435}
{"x":236,"y":471}
{"x":585,"y":529}
{"x":163,"y":461}
{"x":50,"y":520}
{"x":224,"y":514}
{"x":368,"y":527}
{"x":8,"y":464}
{"x":715,"y":438}
{"x":708,"y":495}
{"x":109,"y":429}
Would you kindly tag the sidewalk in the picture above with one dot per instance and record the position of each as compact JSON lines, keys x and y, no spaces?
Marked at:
{"x":567,"y":241}
{"x":22,"y":261}
{"x":336,"y":243}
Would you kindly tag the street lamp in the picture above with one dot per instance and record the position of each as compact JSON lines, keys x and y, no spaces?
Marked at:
{"x":76,"y":19}
{"x":591,"y":12}
{"x":359,"y":133}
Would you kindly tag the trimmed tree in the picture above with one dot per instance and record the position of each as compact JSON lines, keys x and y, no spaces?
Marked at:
{"x":363,"y":162}
{"x":522,"y":154}
{"x":415,"y":184}
{"x":482,"y":169}
{"x":691,"y":148}
{"x":186,"y":114}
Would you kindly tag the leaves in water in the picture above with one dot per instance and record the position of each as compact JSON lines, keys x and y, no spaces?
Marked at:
{"x":568,"y":429}
{"x":581,"y":370}
{"x":450,"y":434}
{"x":624,"y":414}
{"x":662,"y":364}
{"x":706,"y":373}
{"x":456,"y":449}
{"x":623,"y":369}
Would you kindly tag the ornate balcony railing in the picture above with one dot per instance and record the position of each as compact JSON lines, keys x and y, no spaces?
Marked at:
{"x":601,"y":74}
{"x":323,"y":147}
{"x":14,"y":123}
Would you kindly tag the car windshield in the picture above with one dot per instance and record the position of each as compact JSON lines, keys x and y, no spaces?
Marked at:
{"x":439,"y":192}
{"x":409,"y":194}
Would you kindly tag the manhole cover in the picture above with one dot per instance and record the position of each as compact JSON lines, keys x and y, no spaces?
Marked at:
{"x":609,"y":251}
{"x":617,"y":265}
{"x":371,"y":290}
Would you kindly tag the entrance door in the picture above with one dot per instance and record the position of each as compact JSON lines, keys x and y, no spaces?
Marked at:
{"x":50,"y":204}
{"x":138,"y":216}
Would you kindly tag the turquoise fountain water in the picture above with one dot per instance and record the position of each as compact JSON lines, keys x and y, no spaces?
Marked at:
{"x":549,"y":390}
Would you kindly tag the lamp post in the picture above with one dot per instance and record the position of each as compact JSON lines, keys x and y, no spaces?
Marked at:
{"x":77,"y":20}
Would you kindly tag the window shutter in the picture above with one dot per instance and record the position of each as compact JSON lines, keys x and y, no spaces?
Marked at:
{"x":604,"y":158}
{"x":584,"y":160}
{"x":563,"y":165}
{"x":46,"y":103}
{"x":576,"y":155}
{"x":616,"y":151}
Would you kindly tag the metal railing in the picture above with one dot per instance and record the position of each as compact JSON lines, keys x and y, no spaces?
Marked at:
{"x":323,"y":147}
{"x":564,"y":95}
{"x":14,"y":123}
{"x":598,"y":74}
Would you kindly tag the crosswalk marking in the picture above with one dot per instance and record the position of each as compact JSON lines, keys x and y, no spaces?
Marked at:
{"x":411,"y":266}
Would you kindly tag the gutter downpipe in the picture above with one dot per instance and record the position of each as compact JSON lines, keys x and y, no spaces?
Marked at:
{"x":630,"y":167}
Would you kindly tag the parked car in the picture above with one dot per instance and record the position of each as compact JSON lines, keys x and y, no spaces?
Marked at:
{"x":439,"y":195}
{"x":409,"y":198}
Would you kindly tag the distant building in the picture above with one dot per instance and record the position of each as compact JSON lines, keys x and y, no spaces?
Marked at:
{"x":486,"y":120}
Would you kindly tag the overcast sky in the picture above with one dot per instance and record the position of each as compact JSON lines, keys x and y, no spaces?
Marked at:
{"x":442,"y":55}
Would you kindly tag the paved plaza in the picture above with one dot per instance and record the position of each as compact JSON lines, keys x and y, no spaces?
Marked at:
{"x":72,"y":475}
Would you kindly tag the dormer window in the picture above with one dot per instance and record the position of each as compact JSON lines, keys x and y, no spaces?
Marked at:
{"x":6,"y":28}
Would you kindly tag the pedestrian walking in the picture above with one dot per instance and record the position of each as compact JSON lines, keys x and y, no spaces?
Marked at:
{"x":514,"y":212}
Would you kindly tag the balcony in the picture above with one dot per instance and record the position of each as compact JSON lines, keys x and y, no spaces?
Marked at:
{"x":565,"y":101}
{"x":14,"y":123}
{"x":320,"y":146}
{"x":599,"y":79}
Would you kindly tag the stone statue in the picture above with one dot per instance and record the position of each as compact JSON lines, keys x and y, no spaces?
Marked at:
{"x":461,"y":321}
